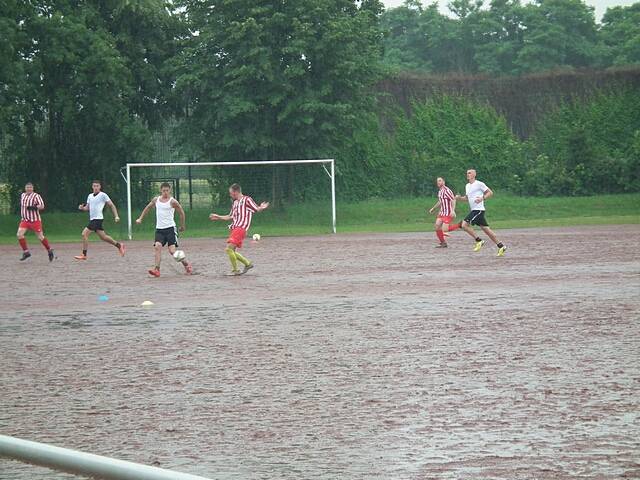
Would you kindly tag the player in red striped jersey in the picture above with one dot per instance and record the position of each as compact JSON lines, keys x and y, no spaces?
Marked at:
{"x":241,"y":214}
{"x":447,"y":203}
{"x":31,"y":204}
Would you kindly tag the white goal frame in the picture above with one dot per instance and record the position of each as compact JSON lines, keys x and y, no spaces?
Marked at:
{"x":331,"y":173}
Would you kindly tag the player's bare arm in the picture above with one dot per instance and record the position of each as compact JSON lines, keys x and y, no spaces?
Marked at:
{"x":183,"y":217}
{"x":113,"y":208}
{"x":434,"y":207}
{"x":453,"y":208}
{"x":462,"y":198}
{"x":146,"y":209}
{"x":214,"y":216}
{"x":486,"y":195}
{"x":84,"y":207}
{"x":263,"y":206}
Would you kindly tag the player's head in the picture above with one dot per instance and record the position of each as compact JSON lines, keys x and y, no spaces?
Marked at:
{"x":471,"y":175}
{"x":235,"y":191}
{"x":96,"y":185}
{"x":440,"y":182}
{"x":165,"y":189}
{"x":28,"y":187}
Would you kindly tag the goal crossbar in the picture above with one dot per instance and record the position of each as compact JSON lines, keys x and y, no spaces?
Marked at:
{"x":331,"y":172}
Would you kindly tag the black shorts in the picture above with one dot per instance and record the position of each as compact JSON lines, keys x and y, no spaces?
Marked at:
{"x":476,"y":217}
{"x":95,"y":225}
{"x":167,"y":236}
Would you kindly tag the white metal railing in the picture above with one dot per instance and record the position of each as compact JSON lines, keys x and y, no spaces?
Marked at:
{"x":85,"y":464}
{"x":331,"y":173}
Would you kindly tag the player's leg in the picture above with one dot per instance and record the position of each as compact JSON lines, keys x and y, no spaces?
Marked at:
{"x":159,"y":242}
{"x":452,"y":227}
{"x":480,"y":220}
{"x":85,"y":244}
{"x":440,"y":233}
{"x":231,"y":253}
{"x":23,"y":243}
{"x":238,"y":235}
{"x":469,"y":229}
{"x":185,"y":263}
{"x":501,"y":248}
{"x":245,"y":261}
{"x":233,"y":243}
{"x":157,"y":253}
{"x":106,"y":238}
{"x":45,"y":243}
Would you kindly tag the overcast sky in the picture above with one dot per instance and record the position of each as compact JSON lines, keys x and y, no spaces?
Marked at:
{"x":601,"y":5}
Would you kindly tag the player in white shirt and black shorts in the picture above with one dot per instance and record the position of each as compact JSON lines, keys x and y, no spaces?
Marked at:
{"x":476,"y":192}
{"x":166,"y":233}
{"x":95,"y":206}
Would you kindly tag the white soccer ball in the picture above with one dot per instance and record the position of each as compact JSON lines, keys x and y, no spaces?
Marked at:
{"x":179,"y":255}
{"x":256,"y":236}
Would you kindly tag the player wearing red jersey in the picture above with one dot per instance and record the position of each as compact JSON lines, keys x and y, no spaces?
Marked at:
{"x":241,"y":214}
{"x":447,"y":203}
{"x":31,"y":204}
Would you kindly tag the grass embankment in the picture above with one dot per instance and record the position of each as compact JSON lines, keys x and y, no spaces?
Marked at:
{"x":397,"y":215}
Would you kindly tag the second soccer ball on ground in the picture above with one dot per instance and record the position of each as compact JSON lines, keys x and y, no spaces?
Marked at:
{"x":256,"y":236}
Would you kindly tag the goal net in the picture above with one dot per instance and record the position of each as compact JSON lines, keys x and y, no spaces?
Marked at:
{"x":301,"y":192}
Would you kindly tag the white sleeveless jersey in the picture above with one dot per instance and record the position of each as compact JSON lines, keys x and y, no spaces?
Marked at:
{"x":164,"y":214}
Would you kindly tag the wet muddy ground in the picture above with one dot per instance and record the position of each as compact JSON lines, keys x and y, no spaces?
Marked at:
{"x":338,"y":357}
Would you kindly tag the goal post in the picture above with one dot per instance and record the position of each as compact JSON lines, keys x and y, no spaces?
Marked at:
{"x":327,"y":165}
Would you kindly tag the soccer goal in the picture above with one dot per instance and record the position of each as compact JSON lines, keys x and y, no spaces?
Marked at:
{"x":303,"y":199}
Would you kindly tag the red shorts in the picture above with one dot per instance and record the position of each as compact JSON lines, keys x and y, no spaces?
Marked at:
{"x":445,"y":218}
{"x":237,"y":236}
{"x":33,"y":226}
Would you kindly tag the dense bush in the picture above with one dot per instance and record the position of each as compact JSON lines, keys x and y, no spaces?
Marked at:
{"x":365,"y":165}
{"x":587,"y":148}
{"x":445,"y":136}
{"x":583,"y":147}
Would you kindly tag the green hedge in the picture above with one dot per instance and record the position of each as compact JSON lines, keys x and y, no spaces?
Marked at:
{"x":584,"y":147}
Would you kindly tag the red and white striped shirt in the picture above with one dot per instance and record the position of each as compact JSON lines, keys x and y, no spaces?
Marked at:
{"x":242,"y":212}
{"x":446,"y":197}
{"x":30,"y":200}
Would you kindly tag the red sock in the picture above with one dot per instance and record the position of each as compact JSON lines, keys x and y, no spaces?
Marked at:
{"x":454,"y":226}
{"x":45,"y":243}
{"x":23,"y":244}
{"x":440,"y":235}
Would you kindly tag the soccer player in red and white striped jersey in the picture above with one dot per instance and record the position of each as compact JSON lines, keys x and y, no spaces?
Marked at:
{"x":31,"y":204}
{"x":241,"y":215}
{"x":447,"y":203}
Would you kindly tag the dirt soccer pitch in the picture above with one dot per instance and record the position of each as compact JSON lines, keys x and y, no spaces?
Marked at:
{"x":338,"y":357}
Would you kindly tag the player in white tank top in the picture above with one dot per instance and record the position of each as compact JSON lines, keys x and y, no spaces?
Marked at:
{"x":166,"y":232}
{"x":165,"y":212}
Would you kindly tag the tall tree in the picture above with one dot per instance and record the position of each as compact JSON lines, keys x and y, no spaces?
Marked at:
{"x":405,"y":42}
{"x":279,"y":79}
{"x":502,"y":32}
{"x":13,"y":14}
{"x":510,"y":37}
{"x":620,"y":34}
{"x":558,"y":33}
{"x":87,"y":90}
